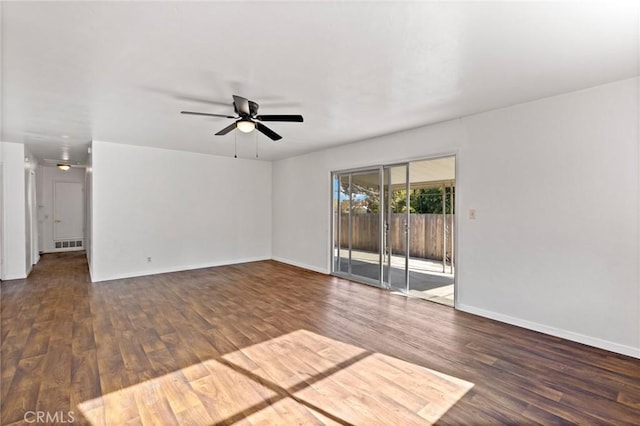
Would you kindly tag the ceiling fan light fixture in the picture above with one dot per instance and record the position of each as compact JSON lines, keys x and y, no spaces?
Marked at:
{"x":63,"y":166}
{"x":246,"y":126}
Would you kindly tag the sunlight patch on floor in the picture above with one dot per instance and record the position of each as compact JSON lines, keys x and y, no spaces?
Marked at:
{"x":300,"y":377}
{"x":442,"y":295}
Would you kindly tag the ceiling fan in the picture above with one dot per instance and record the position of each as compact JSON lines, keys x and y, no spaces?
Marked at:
{"x":248,"y":118}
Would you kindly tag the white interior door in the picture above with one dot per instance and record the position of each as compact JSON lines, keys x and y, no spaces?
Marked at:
{"x":68,"y":211}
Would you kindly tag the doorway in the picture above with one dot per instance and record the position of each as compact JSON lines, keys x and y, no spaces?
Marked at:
{"x":68,"y":215}
{"x":393,"y":227}
{"x":432,"y":223}
{"x":61,"y":206}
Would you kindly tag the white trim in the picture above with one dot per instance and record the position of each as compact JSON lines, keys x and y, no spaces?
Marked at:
{"x":64,"y":249}
{"x":301,"y":265}
{"x":332,"y":223}
{"x":119,"y":276}
{"x":3,"y":218}
{"x":89,"y":267}
{"x":13,"y":277}
{"x":565,"y":334}
{"x":638,"y":169}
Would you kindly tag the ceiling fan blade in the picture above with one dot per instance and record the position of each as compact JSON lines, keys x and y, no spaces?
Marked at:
{"x":207,"y":114}
{"x":200,"y":100}
{"x":226,"y":130}
{"x":242,"y":105}
{"x":267,"y":131}
{"x":290,"y":118}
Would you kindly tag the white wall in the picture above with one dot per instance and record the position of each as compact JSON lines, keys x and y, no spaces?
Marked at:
{"x":555,"y":183}
{"x":302,"y":185}
{"x":13,"y":211}
{"x":1,"y":210}
{"x":2,"y":213}
{"x":50,"y":175}
{"x":183,"y":210}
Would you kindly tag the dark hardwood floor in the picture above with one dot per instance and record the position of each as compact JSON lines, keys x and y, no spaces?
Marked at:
{"x":267,"y":343}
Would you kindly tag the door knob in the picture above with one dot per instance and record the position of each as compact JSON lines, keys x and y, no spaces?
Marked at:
{"x":57,"y":221}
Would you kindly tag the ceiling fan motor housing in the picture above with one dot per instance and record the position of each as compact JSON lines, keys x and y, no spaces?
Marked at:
{"x":253,"y":108}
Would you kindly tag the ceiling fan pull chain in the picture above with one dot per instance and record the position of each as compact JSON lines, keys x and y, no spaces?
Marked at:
{"x":235,"y":145}
{"x":256,"y":133}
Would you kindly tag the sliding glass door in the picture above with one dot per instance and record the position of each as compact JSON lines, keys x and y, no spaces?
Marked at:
{"x":342,"y":211}
{"x":370,"y":225}
{"x":357,"y":226}
{"x":393,"y":227}
{"x":396,"y":228}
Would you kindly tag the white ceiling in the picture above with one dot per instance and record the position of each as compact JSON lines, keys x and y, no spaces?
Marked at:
{"x":121,"y":72}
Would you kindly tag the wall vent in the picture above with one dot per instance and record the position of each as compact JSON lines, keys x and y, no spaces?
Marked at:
{"x":68,"y":244}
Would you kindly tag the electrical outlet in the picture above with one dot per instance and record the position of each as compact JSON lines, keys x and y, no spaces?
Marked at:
{"x":472,"y":214}
{"x":149,"y":259}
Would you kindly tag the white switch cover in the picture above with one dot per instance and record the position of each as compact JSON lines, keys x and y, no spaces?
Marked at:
{"x":472,"y":214}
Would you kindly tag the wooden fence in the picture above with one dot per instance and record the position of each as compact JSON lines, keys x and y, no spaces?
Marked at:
{"x":426,"y":234}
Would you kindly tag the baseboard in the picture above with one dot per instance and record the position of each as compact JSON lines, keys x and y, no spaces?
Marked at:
{"x":13,"y":277}
{"x":63,"y":250}
{"x":300,"y":265}
{"x":120,"y":276}
{"x":569,"y":335}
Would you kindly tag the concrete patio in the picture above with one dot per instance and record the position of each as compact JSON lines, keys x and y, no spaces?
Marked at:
{"x":426,"y":279}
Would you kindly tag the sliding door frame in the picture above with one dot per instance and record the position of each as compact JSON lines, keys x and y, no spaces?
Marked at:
{"x":387,"y":227}
{"x":382,"y":241}
{"x":337,"y":217}
{"x":456,"y":221}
